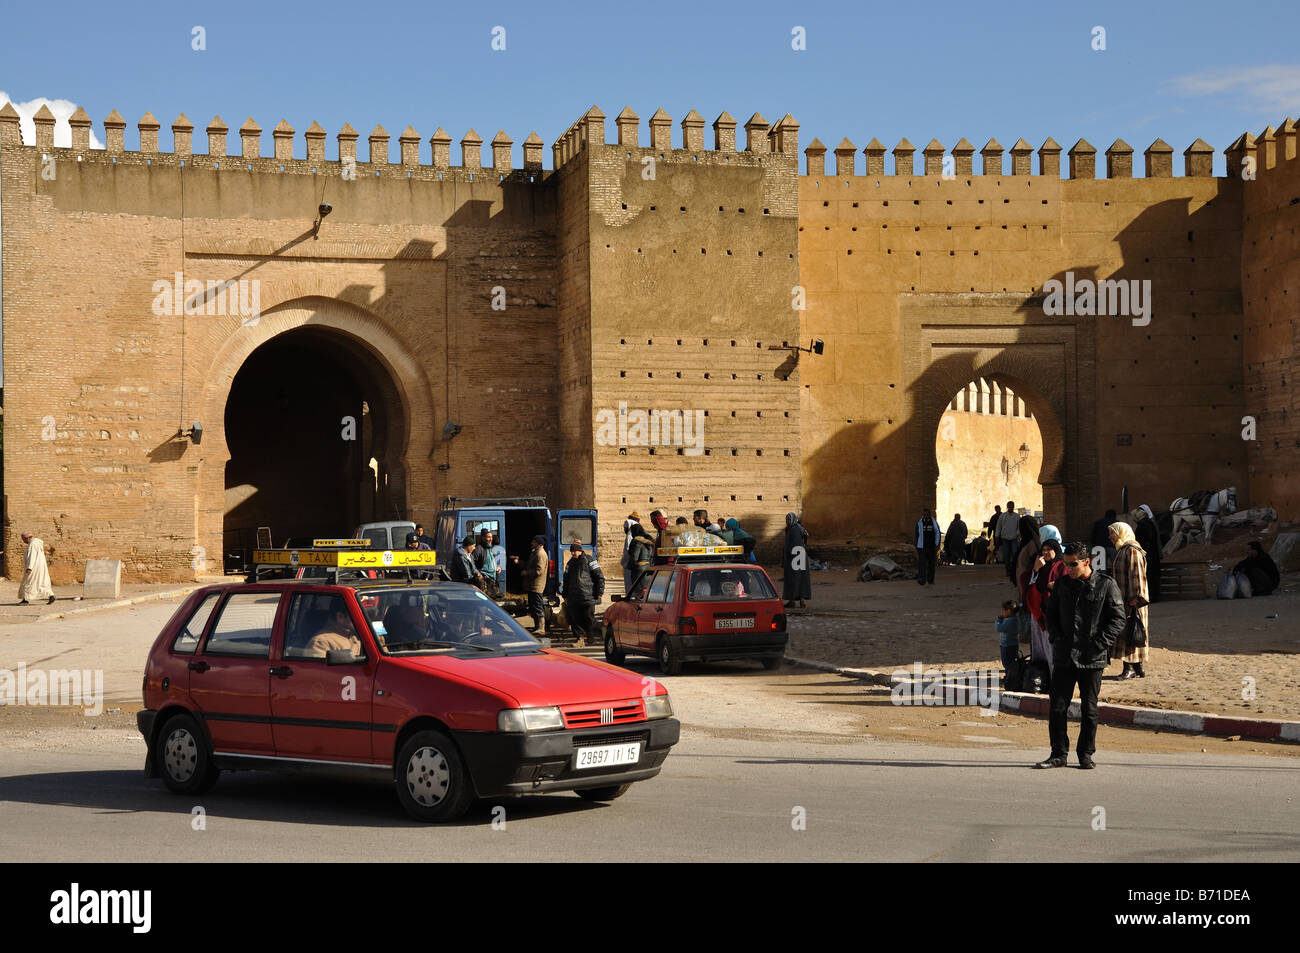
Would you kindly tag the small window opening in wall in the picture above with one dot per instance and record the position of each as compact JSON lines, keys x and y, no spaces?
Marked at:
{"x":733,"y":497}
{"x":654,"y":208}
{"x":622,"y":373}
{"x":855,"y":204}
{"x":625,"y":206}
{"x":740,"y":211}
{"x":785,"y":453}
{"x":767,"y":211}
{"x":683,"y":208}
{"x":652,"y":451}
{"x":733,"y":451}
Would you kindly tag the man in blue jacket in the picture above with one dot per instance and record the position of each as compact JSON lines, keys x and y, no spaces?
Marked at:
{"x":927,"y":547}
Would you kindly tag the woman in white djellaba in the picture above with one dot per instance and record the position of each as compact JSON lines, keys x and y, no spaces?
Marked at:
{"x":36,"y":574}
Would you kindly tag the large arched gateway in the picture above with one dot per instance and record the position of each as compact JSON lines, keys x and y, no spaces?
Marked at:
{"x":320,"y":419}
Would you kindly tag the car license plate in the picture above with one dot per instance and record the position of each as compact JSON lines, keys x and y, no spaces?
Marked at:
{"x":604,"y":756}
{"x":734,"y":623}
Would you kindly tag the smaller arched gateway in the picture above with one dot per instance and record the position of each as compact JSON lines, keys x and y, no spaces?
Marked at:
{"x":1047,"y":364}
{"x":321,"y":419}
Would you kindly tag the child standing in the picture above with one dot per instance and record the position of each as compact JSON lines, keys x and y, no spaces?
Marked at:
{"x":1008,"y":628}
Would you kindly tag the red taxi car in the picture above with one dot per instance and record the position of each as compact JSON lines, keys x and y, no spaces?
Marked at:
{"x":704,"y":611}
{"x":429,"y":685}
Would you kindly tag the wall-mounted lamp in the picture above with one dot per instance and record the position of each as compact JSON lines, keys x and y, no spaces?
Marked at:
{"x":195,"y":433}
{"x":817,"y":346}
{"x":324,"y":209}
{"x":1009,"y":467}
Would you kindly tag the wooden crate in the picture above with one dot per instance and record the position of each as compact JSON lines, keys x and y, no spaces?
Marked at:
{"x":1183,"y":581}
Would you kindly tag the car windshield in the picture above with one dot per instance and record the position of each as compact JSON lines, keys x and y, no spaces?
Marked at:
{"x":441,"y":620}
{"x":729,"y":585}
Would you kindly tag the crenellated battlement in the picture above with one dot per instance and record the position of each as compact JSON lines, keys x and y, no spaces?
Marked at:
{"x":941,"y":161}
{"x":1270,"y":155}
{"x":379,"y":160}
{"x":761,"y":137}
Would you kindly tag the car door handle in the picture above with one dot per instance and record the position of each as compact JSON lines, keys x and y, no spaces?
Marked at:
{"x":198,"y":666}
{"x":283,"y":671}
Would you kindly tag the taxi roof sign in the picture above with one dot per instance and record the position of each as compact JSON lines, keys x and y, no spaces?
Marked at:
{"x":700,"y":550}
{"x":342,"y":559}
{"x":339,"y":542}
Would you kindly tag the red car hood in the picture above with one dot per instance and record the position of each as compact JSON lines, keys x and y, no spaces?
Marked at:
{"x":541,"y":679}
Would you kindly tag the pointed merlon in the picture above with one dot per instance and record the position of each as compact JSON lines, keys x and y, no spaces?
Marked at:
{"x":114,"y":120}
{"x":534,"y":139}
{"x":315,"y":131}
{"x":440,"y":135}
{"x":347,"y":132}
{"x":847,"y":146}
{"x":1119,"y":147}
{"x":875,"y":145}
{"x":217,"y":124}
{"x":756,"y":120}
{"x":816,"y":147}
{"x":593,"y":113}
{"x":282,"y":128}
{"x":472,"y":138}
{"x":147,"y":121}
{"x":1200,"y":145}
{"x":661,"y":116}
{"x":409,"y":135}
{"x":693,"y":118}
{"x":1083,"y":145}
{"x":934,"y":145}
{"x":44,"y":115}
{"x":627,"y":115}
{"x":1022,"y":146}
{"x":8,"y":113}
{"x":1160,"y":146}
{"x":379,"y":133}
{"x":1050,"y":145}
{"x":501,"y":139}
{"x":249,"y":126}
{"x":904,"y":146}
{"x":992,"y":146}
{"x":180,"y":124}
{"x":963,"y":145}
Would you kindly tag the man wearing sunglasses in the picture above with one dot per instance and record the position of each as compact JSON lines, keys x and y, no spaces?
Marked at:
{"x":1085,"y":614}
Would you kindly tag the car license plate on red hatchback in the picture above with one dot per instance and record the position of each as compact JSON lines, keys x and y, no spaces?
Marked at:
{"x":734,"y":623}
{"x":604,"y":756}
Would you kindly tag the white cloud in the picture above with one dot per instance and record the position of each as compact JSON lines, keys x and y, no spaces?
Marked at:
{"x":62,"y":110}
{"x":1273,"y":87}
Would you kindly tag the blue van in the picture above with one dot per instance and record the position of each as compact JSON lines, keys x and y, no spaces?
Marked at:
{"x":515,"y":521}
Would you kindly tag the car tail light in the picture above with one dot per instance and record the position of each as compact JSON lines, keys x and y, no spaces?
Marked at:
{"x":778,"y":622}
{"x":688,"y":626}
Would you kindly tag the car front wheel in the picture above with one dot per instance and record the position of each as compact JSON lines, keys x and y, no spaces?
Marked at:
{"x":182,"y":758}
{"x":432,"y":782}
{"x":668,"y":660}
{"x":772,"y":664}
{"x":613,"y":654}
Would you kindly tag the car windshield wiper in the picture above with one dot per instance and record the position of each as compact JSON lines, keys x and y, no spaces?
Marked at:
{"x":456,"y":645}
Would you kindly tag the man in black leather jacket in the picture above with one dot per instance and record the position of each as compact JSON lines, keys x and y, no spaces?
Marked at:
{"x":584,"y":585}
{"x":1085,"y":614}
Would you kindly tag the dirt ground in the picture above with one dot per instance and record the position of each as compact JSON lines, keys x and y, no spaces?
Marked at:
{"x":1204,"y":653}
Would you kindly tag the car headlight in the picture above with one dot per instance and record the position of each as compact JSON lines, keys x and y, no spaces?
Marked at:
{"x":529,"y":719}
{"x":658,"y":706}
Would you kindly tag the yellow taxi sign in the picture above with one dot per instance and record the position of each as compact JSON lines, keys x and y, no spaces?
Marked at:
{"x":340,"y":542}
{"x":388,"y":559}
{"x":700,"y":550}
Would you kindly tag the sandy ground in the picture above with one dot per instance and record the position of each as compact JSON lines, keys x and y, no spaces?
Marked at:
{"x":1204,"y":652}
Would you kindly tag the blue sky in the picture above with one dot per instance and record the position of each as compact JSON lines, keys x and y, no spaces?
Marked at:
{"x":922,"y":70}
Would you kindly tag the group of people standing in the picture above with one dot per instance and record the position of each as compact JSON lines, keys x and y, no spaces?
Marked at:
{"x":1079,"y":617}
{"x":641,"y":547}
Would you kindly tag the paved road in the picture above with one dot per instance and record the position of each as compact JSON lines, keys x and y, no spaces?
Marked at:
{"x":716,"y":800}
{"x":874,"y":782}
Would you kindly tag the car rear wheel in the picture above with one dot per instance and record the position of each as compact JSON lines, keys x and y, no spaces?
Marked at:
{"x":771,"y":664}
{"x":182,"y":758}
{"x":613,"y":654}
{"x":603,"y":794}
{"x":432,"y":782}
{"x":668,"y":660}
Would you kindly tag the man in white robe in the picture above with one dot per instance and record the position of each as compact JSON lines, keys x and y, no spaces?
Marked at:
{"x":36,"y":574}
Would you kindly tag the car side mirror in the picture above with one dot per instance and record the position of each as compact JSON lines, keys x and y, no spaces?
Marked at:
{"x":615,"y":598}
{"x":341,"y":657}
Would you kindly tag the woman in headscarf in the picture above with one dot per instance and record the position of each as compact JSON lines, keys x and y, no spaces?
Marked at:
{"x":1027,"y":553}
{"x":798,"y":582}
{"x":1130,"y":571}
{"x":738,"y":537}
{"x":1048,"y":567}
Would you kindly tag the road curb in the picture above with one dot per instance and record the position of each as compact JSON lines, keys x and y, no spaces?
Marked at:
{"x":1132,"y":716}
{"x":121,"y":603}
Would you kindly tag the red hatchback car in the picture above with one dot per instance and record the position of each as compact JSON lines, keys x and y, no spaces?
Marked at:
{"x":429,"y":685}
{"x":698,"y":612}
